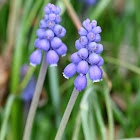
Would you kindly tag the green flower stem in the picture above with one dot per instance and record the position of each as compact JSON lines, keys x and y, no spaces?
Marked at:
{"x":99,"y":117}
{"x":123,"y":64}
{"x":67,"y":114}
{"x":109,"y":114}
{"x":6,"y":116}
{"x":54,"y":89}
{"x":34,"y":104}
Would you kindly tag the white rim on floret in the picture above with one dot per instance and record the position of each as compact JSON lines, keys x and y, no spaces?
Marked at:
{"x":65,"y":76}
{"x":34,"y":65}
{"x":53,"y":65}
{"x":81,"y":74}
{"x":63,"y":55}
{"x":94,"y":81}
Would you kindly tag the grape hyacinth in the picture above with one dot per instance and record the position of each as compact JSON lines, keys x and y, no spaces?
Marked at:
{"x":49,"y":41}
{"x":49,"y":35}
{"x":87,"y":58}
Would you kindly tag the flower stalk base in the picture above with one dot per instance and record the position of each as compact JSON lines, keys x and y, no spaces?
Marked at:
{"x":67,"y":114}
{"x":34,"y":104}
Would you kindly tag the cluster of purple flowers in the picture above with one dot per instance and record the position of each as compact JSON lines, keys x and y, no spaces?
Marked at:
{"x":49,"y":35}
{"x":87,"y":57}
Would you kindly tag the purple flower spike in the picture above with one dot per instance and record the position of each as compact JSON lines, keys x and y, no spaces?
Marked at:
{"x":62,"y":50}
{"x":97,"y":30}
{"x":99,"y":48}
{"x":82,"y":31}
{"x":83,"y":53}
{"x":95,"y":74}
{"x":97,"y":38}
{"x":52,"y":16}
{"x":78,"y":45}
{"x":87,"y":55}
{"x":83,"y":40}
{"x":75,"y":58}
{"x":43,"y":45}
{"x":92,"y":46}
{"x":49,"y":34}
{"x":35,"y":58}
{"x":69,"y":71}
{"x":59,"y":31}
{"x":56,"y":43}
{"x":94,"y":58}
{"x":48,"y":37}
{"x":40,"y":33}
{"x":91,"y":36}
{"x":43,"y":24}
{"x":80,"y":82}
{"x":82,"y":67}
{"x":101,"y":62}
{"x":52,"y":58}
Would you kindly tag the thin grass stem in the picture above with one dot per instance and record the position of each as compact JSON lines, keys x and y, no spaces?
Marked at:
{"x":124,"y":64}
{"x":99,"y":117}
{"x":6,"y":116}
{"x":109,"y":114}
{"x":77,"y":127}
{"x":67,"y":114}
{"x":34,"y":104}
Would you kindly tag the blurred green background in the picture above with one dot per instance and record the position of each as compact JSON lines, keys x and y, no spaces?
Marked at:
{"x":111,"y":107}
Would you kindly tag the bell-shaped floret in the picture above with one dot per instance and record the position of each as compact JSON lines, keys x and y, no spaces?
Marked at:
{"x":69,"y":71}
{"x":80,"y":82}
{"x":62,"y":50}
{"x":95,"y":73}
{"x":82,"y":67}
{"x":52,"y":58}
{"x":35,"y":58}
